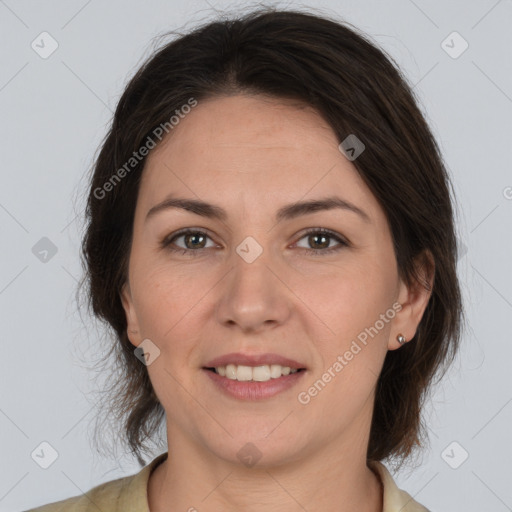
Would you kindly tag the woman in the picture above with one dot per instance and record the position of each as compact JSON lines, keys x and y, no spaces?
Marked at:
{"x":271,"y":237}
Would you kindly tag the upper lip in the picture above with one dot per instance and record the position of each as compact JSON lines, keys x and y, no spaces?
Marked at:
{"x":238,"y":358}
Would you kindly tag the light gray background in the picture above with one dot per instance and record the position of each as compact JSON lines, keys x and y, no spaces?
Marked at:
{"x":54,"y":113}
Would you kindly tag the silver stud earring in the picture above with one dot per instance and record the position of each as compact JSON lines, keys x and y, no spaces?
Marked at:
{"x":401,"y":339}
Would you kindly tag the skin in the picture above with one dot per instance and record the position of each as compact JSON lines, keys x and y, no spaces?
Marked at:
{"x":251,"y":155}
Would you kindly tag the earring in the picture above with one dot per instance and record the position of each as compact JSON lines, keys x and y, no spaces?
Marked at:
{"x":401,"y":339}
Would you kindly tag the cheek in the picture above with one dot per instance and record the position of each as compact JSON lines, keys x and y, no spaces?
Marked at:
{"x":168,"y":304}
{"x":350,"y":302}
{"x":353,"y":351}
{"x":165,"y":298}
{"x":351,"y":296}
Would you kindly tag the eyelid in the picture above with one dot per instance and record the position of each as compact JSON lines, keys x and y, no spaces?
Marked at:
{"x":327,"y":231}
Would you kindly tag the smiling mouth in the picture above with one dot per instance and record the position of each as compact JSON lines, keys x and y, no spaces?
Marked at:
{"x":261,"y":373}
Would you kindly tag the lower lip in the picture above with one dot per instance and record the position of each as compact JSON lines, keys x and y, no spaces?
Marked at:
{"x":252,"y":390}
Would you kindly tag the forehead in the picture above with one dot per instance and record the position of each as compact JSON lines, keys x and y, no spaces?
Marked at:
{"x":251,"y":152}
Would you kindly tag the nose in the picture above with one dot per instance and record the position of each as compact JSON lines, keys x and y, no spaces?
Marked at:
{"x":253,"y":296}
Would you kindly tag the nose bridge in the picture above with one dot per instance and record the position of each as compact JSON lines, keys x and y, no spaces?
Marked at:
{"x":252,"y":295}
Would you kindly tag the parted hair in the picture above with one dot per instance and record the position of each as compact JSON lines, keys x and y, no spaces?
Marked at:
{"x":358,"y":88}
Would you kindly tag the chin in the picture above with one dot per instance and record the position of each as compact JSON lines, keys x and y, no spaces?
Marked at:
{"x":250,"y":448}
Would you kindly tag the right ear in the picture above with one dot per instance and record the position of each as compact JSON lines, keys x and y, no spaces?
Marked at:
{"x":131,"y":315}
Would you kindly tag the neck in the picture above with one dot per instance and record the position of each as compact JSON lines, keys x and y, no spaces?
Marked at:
{"x":335,"y":479}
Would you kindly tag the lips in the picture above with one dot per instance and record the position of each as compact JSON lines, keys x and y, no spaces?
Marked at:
{"x":238,"y":359}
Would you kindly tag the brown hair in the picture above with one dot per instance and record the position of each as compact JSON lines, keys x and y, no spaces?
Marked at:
{"x":359,"y":90}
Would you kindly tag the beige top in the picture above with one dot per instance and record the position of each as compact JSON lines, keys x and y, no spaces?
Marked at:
{"x":130,"y":494}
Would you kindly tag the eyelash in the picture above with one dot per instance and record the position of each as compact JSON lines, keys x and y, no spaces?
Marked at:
{"x":166,"y":242}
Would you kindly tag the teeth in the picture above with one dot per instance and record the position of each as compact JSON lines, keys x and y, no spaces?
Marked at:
{"x":256,"y":373}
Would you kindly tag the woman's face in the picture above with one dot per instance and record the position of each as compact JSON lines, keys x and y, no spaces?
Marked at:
{"x":248,"y":283}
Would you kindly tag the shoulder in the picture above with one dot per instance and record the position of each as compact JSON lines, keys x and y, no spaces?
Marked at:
{"x":101,"y":496}
{"x":126,"y":493}
{"x":394,"y":498}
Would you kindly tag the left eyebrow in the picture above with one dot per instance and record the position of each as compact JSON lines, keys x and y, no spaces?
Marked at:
{"x":294,"y":210}
{"x":288,"y":212}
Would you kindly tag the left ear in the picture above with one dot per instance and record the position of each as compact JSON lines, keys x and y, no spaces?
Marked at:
{"x":413,"y":299}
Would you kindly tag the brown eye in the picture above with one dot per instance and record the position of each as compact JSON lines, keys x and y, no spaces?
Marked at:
{"x":319,"y":241}
{"x":192,"y":241}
